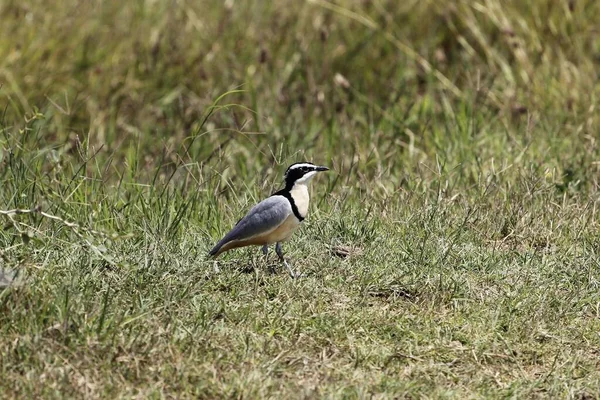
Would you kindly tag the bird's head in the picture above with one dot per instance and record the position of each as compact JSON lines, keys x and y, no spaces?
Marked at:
{"x":301,"y":173}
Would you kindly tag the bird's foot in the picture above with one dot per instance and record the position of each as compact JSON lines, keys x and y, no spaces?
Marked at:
{"x":294,"y":275}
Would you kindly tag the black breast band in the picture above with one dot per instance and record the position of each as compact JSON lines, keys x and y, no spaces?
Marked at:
{"x":286,"y":193}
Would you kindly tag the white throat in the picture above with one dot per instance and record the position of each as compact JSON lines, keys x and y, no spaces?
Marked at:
{"x":306,"y":178}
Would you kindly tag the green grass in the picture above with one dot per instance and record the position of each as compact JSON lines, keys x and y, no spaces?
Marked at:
{"x":452,"y":251}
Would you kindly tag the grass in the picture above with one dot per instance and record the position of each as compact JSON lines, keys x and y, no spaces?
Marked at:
{"x":452,"y":251}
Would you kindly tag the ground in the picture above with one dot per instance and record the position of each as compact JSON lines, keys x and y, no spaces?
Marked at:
{"x":451,"y":251}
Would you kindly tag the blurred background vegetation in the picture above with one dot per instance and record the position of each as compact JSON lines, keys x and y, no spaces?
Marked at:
{"x":385,"y":82}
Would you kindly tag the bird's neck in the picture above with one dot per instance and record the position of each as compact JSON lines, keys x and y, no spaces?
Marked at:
{"x":299,"y":193}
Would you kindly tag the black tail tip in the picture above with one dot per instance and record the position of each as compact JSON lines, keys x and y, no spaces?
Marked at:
{"x":214,"y":251}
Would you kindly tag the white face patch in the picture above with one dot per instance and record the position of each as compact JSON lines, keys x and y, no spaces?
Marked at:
{"x":306,"y":177}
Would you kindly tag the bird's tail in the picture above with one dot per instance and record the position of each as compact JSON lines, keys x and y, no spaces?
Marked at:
{"x":215,"y":250}
{"x":218,"y":248}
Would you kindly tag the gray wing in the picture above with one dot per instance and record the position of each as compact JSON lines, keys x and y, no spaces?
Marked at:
{"x":262,"y":218}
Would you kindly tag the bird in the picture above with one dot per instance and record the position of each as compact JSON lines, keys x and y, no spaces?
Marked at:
{"x":274,"y":219}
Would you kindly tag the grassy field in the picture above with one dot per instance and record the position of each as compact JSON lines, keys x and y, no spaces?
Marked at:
{"x":452,"y":251}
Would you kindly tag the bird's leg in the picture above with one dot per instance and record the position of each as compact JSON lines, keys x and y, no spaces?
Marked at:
{"x":279,"y":252}
{"x":265,"y":251}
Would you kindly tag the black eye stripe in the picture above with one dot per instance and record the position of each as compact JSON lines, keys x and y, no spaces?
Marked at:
{"x":301,"y":169}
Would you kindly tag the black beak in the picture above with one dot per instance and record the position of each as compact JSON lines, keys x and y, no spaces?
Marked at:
{"x":322,"y":169}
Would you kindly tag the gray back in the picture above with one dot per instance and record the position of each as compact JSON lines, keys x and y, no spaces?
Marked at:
{"x":262,"y":218}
